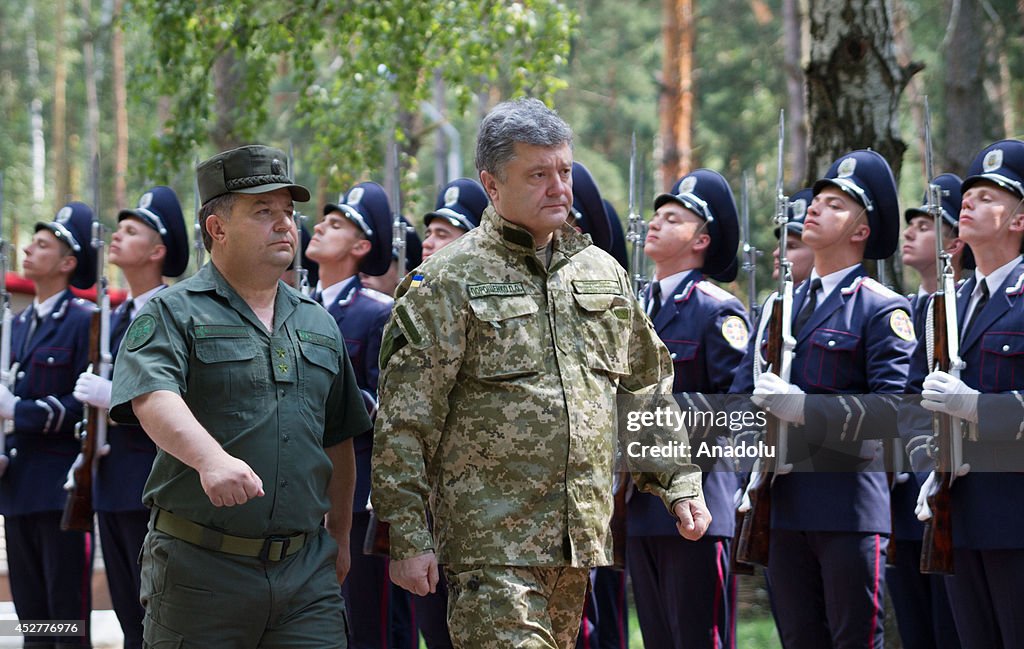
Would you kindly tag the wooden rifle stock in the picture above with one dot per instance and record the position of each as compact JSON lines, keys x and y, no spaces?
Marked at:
{"x":78,"y":509}
{"x":937,"y":547}
{"x":752,"y":537}
{"x":377,"y":541}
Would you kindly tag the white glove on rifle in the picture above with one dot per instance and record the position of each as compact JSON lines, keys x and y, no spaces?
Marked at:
{"x":742,"y":496}
{"x":93,"y":389}
{"x":7,"y":401}
{"x":943,"y":392}
{"x":784,"y":400}
{"x":922,"y":510}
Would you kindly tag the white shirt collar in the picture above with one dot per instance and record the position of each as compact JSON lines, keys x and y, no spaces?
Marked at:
{"x":831,"y":281}
{"x":996,"y":278}
{"x":330,"y":294}
{"x":139,"y":302}
{"x":671,"y":283}
{"x":46,"y":307}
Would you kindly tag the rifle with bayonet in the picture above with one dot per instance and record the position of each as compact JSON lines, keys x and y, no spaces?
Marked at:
{"x":92,"y":429}
{"x":750,"y":253}
{"x":197,"y":233}
{"x":636,"y":234}
{"x":752,"y":540}
{"x":399,"y":230}
{"x":943,"y":345}
{"x":6,"y":371}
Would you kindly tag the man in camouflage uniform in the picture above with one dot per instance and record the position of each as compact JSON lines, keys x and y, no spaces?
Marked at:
{"x":500,"y":368}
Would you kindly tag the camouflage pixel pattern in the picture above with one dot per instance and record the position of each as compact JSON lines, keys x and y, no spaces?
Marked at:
{"x":495,"y":607}
{"x":497,"y":401}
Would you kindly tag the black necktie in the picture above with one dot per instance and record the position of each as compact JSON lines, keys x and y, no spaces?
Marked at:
{"x":982,"y":301}
{"x":809,"y":306}
{"x":655,"y":299}
{"x":122,"y":325}
{"x":33,"y":325}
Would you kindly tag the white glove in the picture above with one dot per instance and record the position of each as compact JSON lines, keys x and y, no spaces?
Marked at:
{"x":943,"y":392}
{"x":922,"y":510}
{"x":7,"y":401}
{"x":69,"y":481}
{"x":741,"y":499}
{"x":784,"y":400}
{"x":93,"y":389}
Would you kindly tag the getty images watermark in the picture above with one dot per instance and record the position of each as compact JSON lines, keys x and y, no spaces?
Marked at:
{"x":668,"y":423}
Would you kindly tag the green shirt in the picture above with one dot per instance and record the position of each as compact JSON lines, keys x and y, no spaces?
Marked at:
{"x":499,"y":376}
{"x":274,"y":400}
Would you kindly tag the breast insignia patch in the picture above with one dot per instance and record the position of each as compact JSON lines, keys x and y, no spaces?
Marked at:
{"x":901,"y":325}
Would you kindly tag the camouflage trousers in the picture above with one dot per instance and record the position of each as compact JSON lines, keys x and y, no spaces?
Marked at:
{"x":498,"y":607}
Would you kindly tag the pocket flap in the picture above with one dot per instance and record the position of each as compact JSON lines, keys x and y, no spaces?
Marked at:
{"x":1003,"y":343}
{"x":496,"y":309}
{"x":835,"y":340}
{"x":682,"y":350}
{"x":222,"y":350}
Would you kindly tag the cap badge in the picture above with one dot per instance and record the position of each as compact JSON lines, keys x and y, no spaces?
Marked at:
{"x":146,"y":200}
{"x":64,"y":215}
{"x":993,"y":160}
{"x":451,"y":196}
{"x":799,"y":208}
{"x":688,"y":185}
{"x":276,"y":167}
{"x":355,"y":196}
{"x":846,"y":167}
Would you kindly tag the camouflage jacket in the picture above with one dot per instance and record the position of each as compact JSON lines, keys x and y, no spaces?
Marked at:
{"x":498,"y":401}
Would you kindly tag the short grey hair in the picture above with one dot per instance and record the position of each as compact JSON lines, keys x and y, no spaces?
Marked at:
{"x":525,"y":120}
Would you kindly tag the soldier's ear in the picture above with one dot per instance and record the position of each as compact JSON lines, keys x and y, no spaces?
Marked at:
{"x":490,"y":183}
{"x":215,"y":226}
{"x":158,"y":252}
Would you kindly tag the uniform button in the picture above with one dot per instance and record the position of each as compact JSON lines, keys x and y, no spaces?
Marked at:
{"x":49,"y":360}
{"x":673,"y":356}
{"x":13,"y":452}
{"x":1006,"y":348}
{"x":831,"y":343}
{"x":21,"y":375}
{"x":286,"y":438}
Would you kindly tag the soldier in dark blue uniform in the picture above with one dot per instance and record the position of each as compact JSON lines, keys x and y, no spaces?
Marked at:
{"x":920,"y":602}
{"x":150,"y":243}
{"x":988,"y":497}
{"x":458,"y":209}
{"x":682,"y":589}
{"x":355,"y":236}
{"x":830,"y":514}
{"x":50,"y":570}
{"x":388,"y":282}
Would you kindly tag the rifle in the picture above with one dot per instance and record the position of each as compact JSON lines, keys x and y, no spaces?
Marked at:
{"x":197,"y":234}
{"x":943,"y":345}
{"x":301,"y":274}
{"x":92,"y":429}
{"x":750,"y":253}
{"x":752,"y":540}
{"x":636,"y":234}
{"x":399,"y":230}
{"x":7,"y":373}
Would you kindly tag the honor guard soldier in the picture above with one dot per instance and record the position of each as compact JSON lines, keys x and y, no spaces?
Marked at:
{"x":499,"y":374}
{"x":829,"y":498}
{"x":245,"y":386}
{"x":618,"y":249}
{"x":458,"y":209}
{"x":388,"y":282}
{"x":150,"y":243}
{"x":605,"y":620}
{"x":50,"y":570}
{"x":683,"y":590}
{"x":919,"y":600}
{"x":987,"y":496}
{"x":800,"y":256}
{"x":355,"y":236}
{"x":311,"y":267}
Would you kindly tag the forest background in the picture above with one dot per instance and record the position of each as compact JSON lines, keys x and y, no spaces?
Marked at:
{"x":151,"y":86}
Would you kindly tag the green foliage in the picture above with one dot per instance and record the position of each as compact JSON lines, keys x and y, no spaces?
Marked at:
{"x":343,"y":71}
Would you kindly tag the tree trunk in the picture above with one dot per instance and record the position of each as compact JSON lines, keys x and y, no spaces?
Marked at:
{"x":965,"y":94}
{"x":228,"y":71}
{"x":796,"y":96}
{"x":120,"y":110}
{"x":677,"y":105}
{"x":854,"y":83}
{"x":61,"y":166}
{"x":92,"y":103}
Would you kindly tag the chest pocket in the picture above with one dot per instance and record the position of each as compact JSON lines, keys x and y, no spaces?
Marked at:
{"x":606,"y":321}
{"x":503,"y":337}
{"x":226,"y":377}
{"x":831,"y":359}
{"x":684,"y":355}
{"x":1002,"y":361}
{"x":52,"y":372}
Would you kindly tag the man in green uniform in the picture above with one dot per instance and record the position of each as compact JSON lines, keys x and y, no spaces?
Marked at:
{"x":500,"y":369}
{"x":245,"y":386}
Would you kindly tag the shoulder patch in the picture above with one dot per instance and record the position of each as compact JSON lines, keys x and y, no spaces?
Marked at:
{"x":735,"y":332}
{"x":714,"y":291}
{"x":902,"y":325}
{"x":377,"y":296}
{"x":140,"y":332}
{"x":877,"y":287}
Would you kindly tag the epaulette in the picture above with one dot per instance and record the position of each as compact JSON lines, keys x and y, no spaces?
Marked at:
{"x":872,"y":285}
{"x":715,"y":291}
{"x":377,"y":296}
{"x":1017,"y":288}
